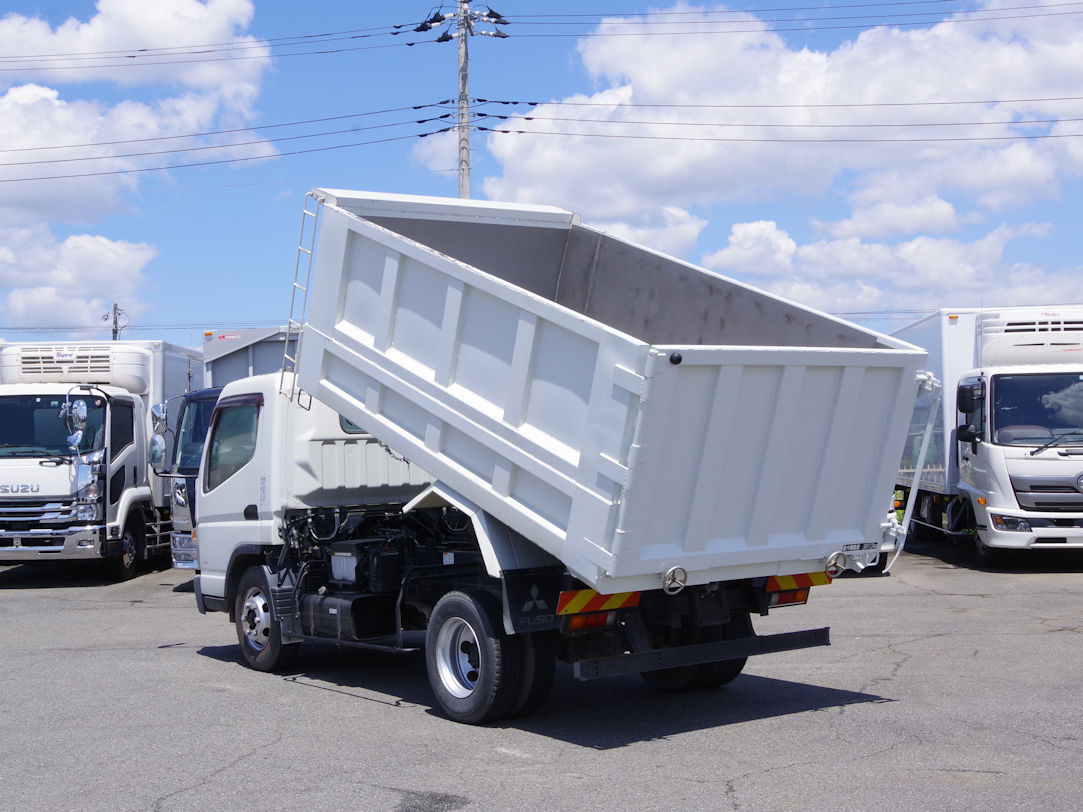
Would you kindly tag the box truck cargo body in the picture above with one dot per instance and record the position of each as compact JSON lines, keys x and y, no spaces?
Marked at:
{"x":1005,"y":467}
{"x":626,"y":455}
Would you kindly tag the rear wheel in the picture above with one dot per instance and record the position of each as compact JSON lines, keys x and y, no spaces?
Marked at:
{"x":537,"y":670}
{"x":258,"y":632}
{"x":704,"y":675}
{"x":473,"y":665}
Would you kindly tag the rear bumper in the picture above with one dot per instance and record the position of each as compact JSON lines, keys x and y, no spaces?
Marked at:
{"x":698,"y":654}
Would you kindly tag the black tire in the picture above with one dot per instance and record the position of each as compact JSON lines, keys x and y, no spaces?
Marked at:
{"x":125,"y":566}
{"x":723,"y":672}
{"x":705,"y":675}
{"x":537,"y":671}
{"x":473,"y":665}
{"x":259,"y":634}
{"x":988,"y":557}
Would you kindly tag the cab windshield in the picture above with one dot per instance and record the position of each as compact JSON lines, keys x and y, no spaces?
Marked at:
{"x":194,"y":422}
{"x":1038,"y":409}
{"x":31,"y":425}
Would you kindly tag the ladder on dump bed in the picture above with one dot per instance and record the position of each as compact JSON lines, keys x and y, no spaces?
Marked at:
{"x":302,"y":274}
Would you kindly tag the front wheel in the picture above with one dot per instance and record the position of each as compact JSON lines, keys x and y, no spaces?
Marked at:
{"x":258,"y":632}
{"x":126,"y":565}
{"x":472,"y":664}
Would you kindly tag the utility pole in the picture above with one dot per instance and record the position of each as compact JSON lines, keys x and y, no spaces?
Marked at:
{"x":115,"y":313}
{"x":465,"y":26}
{"x":465,"y":22}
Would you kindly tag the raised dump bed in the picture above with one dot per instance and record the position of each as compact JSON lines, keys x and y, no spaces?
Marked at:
{"x":625,"y":411}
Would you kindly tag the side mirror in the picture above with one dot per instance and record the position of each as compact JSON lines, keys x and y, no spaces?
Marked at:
{"x":967,"y":434}
{"x":157,"y":452}
{"x":159,"y":418}
{"x":969,"y":396}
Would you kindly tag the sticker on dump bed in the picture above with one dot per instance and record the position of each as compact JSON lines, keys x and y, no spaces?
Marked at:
{"x":865,"y":545}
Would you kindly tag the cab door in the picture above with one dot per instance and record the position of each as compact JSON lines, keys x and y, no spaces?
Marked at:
{"x":233,"y":507}
{"x":123,"y":455}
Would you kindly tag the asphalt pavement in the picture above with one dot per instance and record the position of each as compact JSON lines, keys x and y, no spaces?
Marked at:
{"x":946,"y":686}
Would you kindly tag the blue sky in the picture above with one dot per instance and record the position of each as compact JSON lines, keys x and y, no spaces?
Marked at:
{"x":869,"y":159}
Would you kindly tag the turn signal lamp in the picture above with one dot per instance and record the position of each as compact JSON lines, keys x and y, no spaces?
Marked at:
{"x":591,"y":620}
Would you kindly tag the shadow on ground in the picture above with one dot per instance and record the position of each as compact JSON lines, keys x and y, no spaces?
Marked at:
{"x":600,"y":714}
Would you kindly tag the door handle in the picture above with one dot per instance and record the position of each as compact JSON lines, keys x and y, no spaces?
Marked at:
{"x":251,"y":513}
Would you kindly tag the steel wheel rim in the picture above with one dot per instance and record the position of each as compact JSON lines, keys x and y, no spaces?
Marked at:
{"x":458,"y":659}
{"x":127,"y":550}
{"x":256,"y":619}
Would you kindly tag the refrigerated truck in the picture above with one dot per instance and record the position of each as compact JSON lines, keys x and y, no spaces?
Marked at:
{"x":525,"y":439}
{"x":75,"y":483}
{"x":1005,"y":467}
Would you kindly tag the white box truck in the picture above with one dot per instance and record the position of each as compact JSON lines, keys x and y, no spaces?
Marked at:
{"x":74,"y":432}
{"x":523,"y":439}
{"x":1005,"y":465}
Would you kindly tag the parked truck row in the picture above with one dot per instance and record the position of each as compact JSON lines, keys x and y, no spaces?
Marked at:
{"x":509,"y":438}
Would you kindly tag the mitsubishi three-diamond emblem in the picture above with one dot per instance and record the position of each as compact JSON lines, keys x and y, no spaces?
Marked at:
{"x":535,"y":604}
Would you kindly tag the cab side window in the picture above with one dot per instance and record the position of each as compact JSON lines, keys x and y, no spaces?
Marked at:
{"x":121,"y":427}
{"x":232,"y":443}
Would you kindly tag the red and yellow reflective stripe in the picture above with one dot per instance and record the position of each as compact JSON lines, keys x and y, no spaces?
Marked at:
{"x":787,"y":583}
{"x":587,"y":600}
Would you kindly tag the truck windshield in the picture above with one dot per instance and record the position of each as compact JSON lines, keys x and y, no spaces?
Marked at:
{"x":31,"y":425}
{"x":1037,"y":409}
{"x":194,"y":421}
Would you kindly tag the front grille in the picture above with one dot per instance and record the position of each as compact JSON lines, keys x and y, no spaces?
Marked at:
{"x":23,"y":514}
{"x":1050,"y":494}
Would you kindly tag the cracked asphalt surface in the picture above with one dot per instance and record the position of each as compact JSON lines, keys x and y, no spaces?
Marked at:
{"x":945,"y":687}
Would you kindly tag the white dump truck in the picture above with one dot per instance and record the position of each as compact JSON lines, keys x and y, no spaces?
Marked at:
{"x":74,"y":432}
{"x":1005,"y":465}
{"x":513,"y":439}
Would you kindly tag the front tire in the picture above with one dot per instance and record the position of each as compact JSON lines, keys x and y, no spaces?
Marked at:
{"x":472,"y":664}
{"x":259,"y":634}
{"x":132,"y":545}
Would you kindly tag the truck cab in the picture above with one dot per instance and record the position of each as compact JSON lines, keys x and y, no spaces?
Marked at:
{"x":193,"y":420}
{"x":1020,"y":450}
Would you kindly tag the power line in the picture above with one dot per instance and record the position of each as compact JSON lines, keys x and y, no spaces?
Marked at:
{"x":689,"y":139}
{"x":135,"y":170}
{"x":782,"y":106}
{"x":254,"y":127}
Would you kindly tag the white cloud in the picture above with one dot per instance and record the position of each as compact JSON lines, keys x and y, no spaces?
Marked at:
{"x":73,"y":281}
{"x":931,"y":214}
{"x":755,"y":249}
{"x":82,"y":151}
{"x":915,"y":176}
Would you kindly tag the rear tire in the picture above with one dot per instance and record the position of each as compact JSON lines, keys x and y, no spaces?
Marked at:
{"x":259,"y":634}
{"x":704,"y":675}
{"x":473,"y":665}
{"x":537,"y":671}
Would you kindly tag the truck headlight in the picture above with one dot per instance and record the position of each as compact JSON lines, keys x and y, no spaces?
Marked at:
{"x":1014,"y":523}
